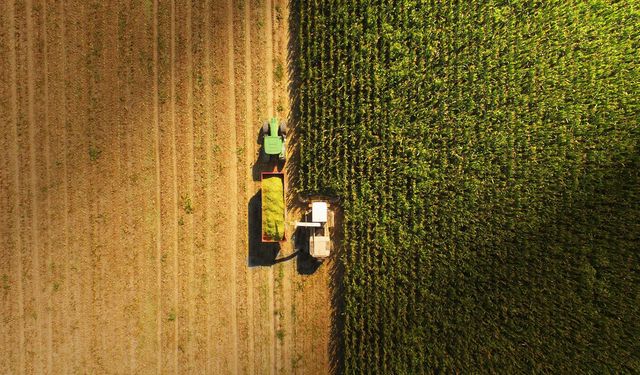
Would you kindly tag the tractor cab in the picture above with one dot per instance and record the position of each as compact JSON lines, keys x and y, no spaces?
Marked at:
{"x":274,"y":139}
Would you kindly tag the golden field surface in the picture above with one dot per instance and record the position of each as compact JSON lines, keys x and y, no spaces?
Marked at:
{"x":128,"y":236}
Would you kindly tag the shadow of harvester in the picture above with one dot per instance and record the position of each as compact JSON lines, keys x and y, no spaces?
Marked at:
{"x":305,"y":263}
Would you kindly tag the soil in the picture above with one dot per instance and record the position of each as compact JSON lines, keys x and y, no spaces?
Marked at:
{"x":129,"y":241}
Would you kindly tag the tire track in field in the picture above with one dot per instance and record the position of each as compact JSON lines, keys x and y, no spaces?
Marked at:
{"x":174,"y":166}
{"x":267,"y":12}
{"x":200,"y":280}
{"x":67,"y":348}
{"x":168,"y":179}
{"x":47,"y":153}
{"x":126,"y":78}
{"x":79,"y":189}
{"x":113,"y":269}
{"x":232,"y":235}
{"x":189,"y":189}
{"x":250,"y":188}
{"x":130,"y":154}
{"x":208,"y":132}
{"x":33,"y":181}
{"x":244,"y":350}
{"x":145,"y":188}
{"x":95,"y":135}
{"x":158,"y":218}
{"x":101,"y":135}
{"x":90,"y":134}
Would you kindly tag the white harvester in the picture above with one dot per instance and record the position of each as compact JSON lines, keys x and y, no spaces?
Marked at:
{"x":318,"y":220}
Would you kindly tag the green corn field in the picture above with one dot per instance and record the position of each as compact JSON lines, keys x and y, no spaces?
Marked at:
{"x":487,"y":156}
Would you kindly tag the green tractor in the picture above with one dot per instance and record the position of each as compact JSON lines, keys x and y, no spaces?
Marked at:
{"x":273,"y":140}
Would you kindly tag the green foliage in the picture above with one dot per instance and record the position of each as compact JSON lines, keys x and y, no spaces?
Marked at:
{"x":487,"y":154}
{"x":278,"y":72}
{"x":172,"y":316}
{"x":94,"y":153}
{"x":280,"y":335}
{"x":5,"y":283}
{"x":187,"y":206}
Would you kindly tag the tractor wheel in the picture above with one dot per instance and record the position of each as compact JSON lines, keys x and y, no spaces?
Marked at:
{"x":265,"y":128}
{"x":283,"y":128}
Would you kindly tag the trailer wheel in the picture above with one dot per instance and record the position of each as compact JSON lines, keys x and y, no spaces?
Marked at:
{"x":283,"y":128}
{"x":265,"y":128}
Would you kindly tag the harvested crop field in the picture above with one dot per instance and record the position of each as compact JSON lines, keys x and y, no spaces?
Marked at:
{"x":127,"y":189}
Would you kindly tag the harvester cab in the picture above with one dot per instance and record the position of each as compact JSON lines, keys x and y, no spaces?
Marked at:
{"x":274,"y":139}
{"x":319,"y":224}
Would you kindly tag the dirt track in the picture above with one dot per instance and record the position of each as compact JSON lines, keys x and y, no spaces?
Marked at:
{"x":127,"y":189}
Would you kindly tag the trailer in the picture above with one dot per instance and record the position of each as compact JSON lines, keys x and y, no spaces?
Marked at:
{"x":274,"y":210}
